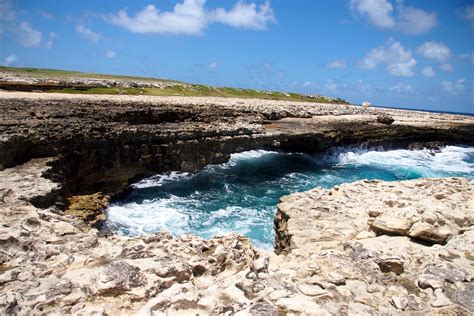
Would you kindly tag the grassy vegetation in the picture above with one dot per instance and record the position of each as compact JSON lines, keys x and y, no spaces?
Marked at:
{"x":180,"y":89}
{"x":56,"y":73}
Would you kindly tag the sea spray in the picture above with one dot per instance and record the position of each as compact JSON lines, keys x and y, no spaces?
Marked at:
{"x":241,"y":195}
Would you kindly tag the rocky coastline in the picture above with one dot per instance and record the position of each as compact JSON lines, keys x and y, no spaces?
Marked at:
{"x":366,"y":247}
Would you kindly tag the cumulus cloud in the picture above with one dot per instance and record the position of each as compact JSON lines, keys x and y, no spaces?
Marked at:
{"x":402,"y":88}
{"x":398,"y":60}
{"x":416,"y":21}
{"x":110,"y":54}
{"x":191,"y":18}
{"x":244,"y":15}
{"x":213,"y":65}
{"x":87,"y":33}
{"x":379,"y":12}
{"x":453,"y":87}
{"x":187,"y":18}
{"x":337,"y":63}
{"x":409,"y":20}
{"x":26,"y":35}
{"x":428,"y":72}
{"x":9,"y":60}
{"x":435,"y":51}
{"x":22,"y":32}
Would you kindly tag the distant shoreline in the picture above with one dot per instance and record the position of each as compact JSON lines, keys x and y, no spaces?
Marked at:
{"x":421,"y":110}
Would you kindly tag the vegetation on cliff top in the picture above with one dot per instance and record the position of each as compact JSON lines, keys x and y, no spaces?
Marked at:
{"x":171,"y":88}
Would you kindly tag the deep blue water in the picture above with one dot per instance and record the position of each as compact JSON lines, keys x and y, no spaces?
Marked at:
{"x":241,"y":195}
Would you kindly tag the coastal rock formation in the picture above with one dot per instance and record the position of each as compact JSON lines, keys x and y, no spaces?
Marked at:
{"x":367,"y":247}
{"x":391,"y":246}
{"x":103,"y":142}
{"x":335,"y":263}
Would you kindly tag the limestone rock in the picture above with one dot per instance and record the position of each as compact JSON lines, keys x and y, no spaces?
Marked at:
{"x":428,"y":232}
{"x":391,"y":223}
{"x":440,"y":299}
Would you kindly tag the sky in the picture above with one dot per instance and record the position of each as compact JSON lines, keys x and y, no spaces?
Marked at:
{"x":400,"y":53}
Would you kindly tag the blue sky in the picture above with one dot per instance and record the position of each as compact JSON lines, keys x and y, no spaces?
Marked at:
{"x":414,"y":54}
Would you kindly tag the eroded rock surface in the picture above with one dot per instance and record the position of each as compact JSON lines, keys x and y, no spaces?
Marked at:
{"x":102,"y":142}
{"x":362,"y":248}
{"x":335,"y":262}
{"x":395,"y":246}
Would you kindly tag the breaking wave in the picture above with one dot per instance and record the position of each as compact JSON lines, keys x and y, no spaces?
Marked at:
{"x":241,"y":195}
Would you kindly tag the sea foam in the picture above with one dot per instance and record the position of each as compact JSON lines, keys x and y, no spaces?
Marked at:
{"x":241,"y":195}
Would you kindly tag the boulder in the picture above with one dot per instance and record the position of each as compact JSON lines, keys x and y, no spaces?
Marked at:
{"x":392,"y":224}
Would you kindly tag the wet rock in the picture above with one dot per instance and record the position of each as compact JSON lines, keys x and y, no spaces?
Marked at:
{"x":89,"y":208}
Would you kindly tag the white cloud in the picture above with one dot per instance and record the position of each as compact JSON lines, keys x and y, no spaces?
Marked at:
{"x":110,"y":54}
{"x":446,"y":67}
{"x":51,"y":39}
{"x":245,"y":15}
{"x":428,"y":72}
{"x":337,"y":63}
{"x":191,"y":18}
{"x":468,"y":13}
{"x":379,"y":12}
{"x":87,"y":33}
{"x":10,"y":59}
{"x":213,"y":65}
{"x":416,"y":21}
{"x":398,"y":60}
{"x":187,"y":18}
{"x":402,"y":88}
{"x":22,"y":32}
{"x":26,"y":35}
{"x":409,"y":20}
{"x":453,"y":87}
{"x":434,"y":50}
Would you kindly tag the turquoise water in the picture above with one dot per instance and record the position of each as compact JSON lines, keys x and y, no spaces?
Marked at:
{"x":241,"y":195}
